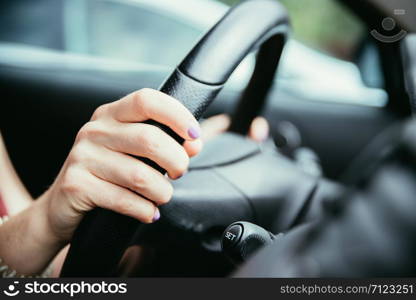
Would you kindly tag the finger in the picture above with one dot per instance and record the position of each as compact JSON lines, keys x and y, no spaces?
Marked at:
{"x":193,"y":147}
{"x":214,"y":126}
{"x":148,"y":104}
{"x":259,"y":129}
{"x":151,"y":142}
{"x":58,"y":262}
{"x":113,"y":197}
{"x":130,"y":173}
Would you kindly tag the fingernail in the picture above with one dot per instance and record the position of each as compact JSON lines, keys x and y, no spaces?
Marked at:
{"x":194,"y":132}
{"x":157,"y":215}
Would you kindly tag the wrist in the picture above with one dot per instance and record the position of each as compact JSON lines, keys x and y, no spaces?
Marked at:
{"x":31,"y":244}
{"x":41,"y":219}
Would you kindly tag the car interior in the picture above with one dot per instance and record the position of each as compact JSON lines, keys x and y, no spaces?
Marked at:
{"x":274,"y":197}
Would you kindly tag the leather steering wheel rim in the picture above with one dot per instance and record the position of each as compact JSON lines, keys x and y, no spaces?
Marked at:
{"x":102,"y":237}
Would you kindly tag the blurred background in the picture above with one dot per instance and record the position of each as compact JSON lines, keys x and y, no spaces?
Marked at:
{"x":60,"y":59}
{"x":338,"y":32}
{"x":84,"y":26}
{"x":326,"y":35}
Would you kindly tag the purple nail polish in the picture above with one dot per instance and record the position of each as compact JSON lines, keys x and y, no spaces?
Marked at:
{"x":156,"y":216}
{"x":194,"y":132}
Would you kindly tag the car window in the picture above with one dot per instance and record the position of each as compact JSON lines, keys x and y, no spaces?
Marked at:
{"x":36,"y":23}
{"x":133,"y":32}
{"x":325,"y":25}
{"x":328,"y":37}
{"x":137,"y":31}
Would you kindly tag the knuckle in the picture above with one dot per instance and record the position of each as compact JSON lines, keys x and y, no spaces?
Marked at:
{"x":99,"y":112}
{"x":71,"y":183}
{"x":151,"y":143}
{"x":89,"y":130}
{"x":80,"y":153}
{"x":167,"y":195}
{"x":139,"y":179}
{"x":82,"y":133}
{"x":145,"y":93}
{"x":180,"y":165}
{"x":77,"y":154}
{"x":140,"y":99}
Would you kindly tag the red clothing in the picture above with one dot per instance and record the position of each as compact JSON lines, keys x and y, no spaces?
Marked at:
{"x":3,"y":208}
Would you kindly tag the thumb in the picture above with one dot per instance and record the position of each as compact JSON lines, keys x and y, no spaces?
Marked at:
{"x":259,"y":129}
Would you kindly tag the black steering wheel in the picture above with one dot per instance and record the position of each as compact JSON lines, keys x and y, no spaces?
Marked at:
{"x":102,"y":237}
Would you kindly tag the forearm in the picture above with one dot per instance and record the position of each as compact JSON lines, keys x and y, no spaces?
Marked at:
{"x":27,"y":242}
{"x":12,"y":191}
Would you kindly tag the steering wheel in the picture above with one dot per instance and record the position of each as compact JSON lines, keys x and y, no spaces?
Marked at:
{"x":215,"y":191}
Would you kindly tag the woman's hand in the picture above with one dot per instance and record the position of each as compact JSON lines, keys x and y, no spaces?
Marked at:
{"x":101,"y":171}
{"x":211,"y":127}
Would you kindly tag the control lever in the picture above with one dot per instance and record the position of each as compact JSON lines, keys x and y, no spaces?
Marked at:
{"x":242,"y":239}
